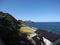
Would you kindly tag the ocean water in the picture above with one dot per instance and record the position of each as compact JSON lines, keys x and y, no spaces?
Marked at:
{"x":48,"y":26}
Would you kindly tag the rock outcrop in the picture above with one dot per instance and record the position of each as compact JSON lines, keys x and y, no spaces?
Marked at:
{"x":9,"y":30}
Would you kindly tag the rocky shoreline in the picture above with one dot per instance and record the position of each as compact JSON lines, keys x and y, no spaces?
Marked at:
{"x":13,"y":32}
{"x":10,"y":31}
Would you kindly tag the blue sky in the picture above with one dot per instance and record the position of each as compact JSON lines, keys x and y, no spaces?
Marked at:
{"x":35,"y":10}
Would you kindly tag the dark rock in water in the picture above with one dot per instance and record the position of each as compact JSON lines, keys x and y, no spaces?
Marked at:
{"x":48,"y":35}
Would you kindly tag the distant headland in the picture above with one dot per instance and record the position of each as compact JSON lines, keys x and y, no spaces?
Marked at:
{"x":26,"y":21}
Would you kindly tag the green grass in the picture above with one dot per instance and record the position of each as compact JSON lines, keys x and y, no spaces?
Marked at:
{"x":27,"y":30}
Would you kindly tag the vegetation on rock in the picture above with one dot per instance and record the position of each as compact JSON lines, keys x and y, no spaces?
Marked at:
{"x":27,"y":30}
{"x":9,"y":30}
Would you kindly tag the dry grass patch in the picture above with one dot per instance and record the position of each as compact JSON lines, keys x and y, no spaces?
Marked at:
{"x":27,"y":30}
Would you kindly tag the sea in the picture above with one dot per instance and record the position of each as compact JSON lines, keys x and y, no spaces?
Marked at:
{"x":48,"y":26}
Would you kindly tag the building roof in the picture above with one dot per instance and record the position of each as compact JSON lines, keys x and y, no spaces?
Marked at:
{"x":48,"y":35}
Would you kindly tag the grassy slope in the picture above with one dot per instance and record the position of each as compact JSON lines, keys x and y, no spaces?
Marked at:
{"x":27,"y":30}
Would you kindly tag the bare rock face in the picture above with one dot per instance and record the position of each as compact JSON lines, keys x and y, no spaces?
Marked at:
{"x":10,"y":19}
{"x":9,"y":29}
